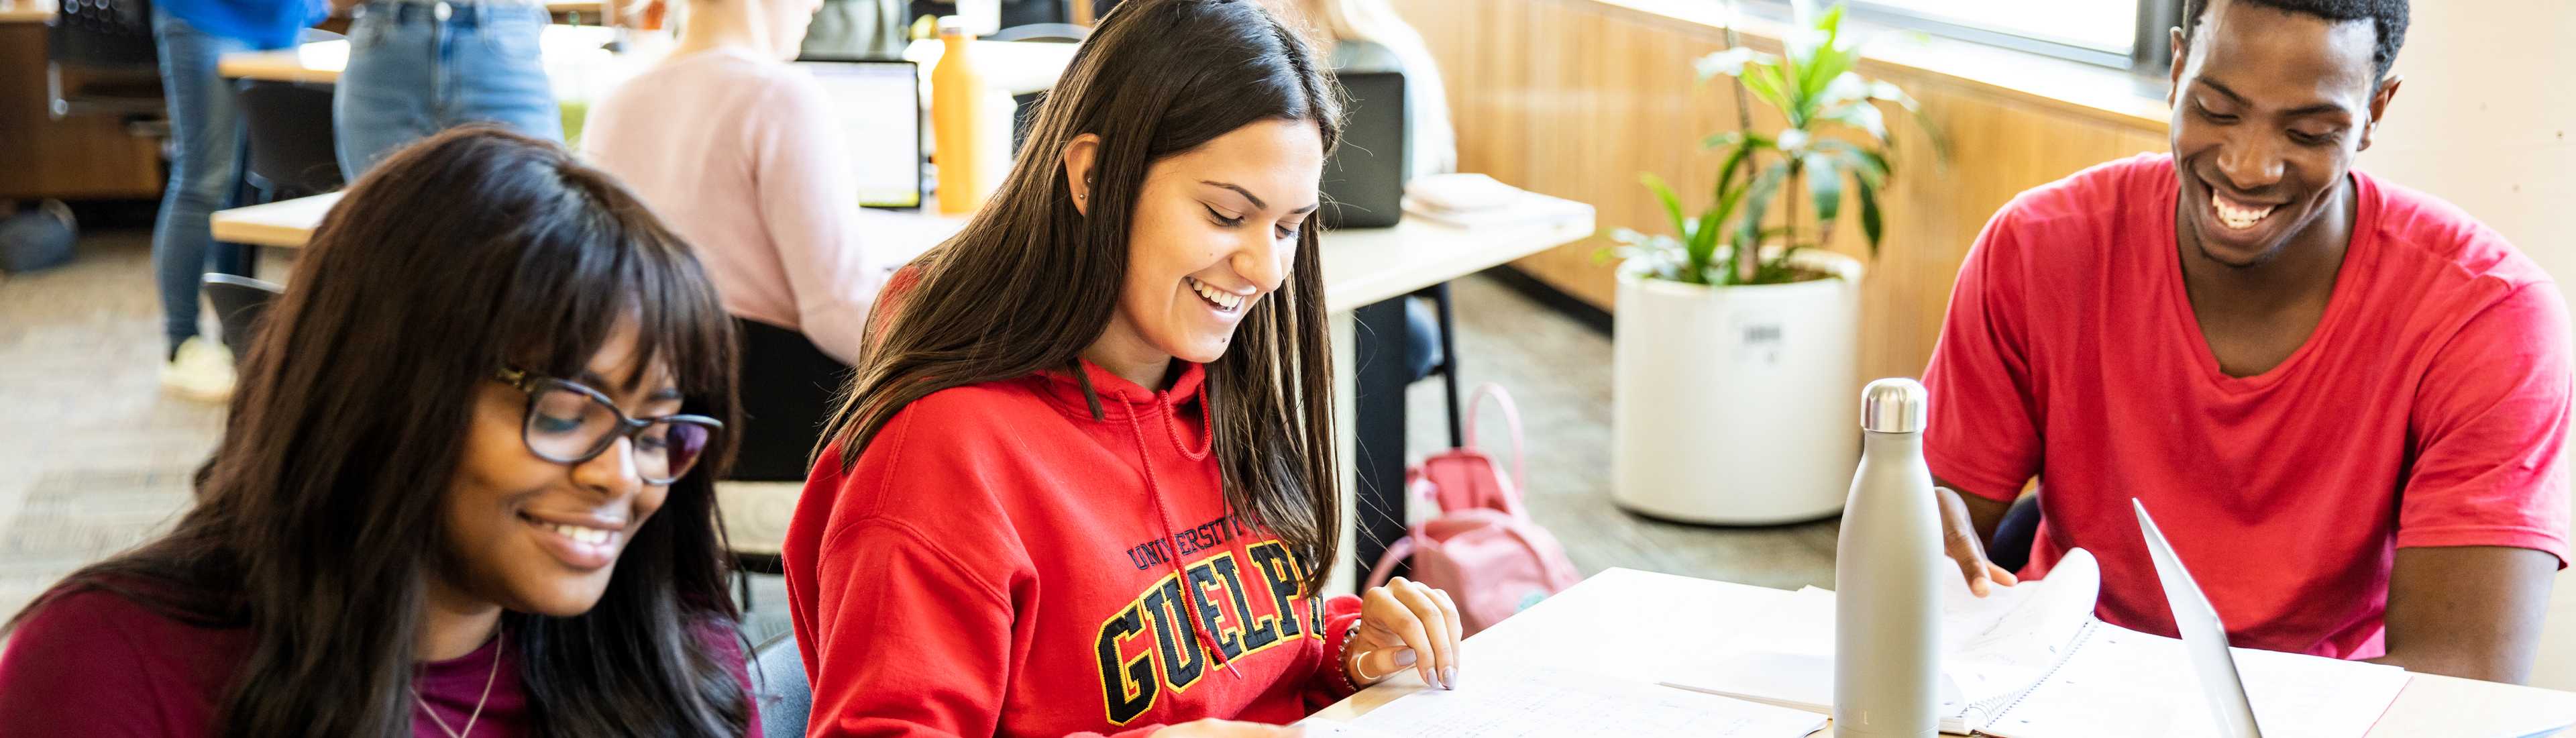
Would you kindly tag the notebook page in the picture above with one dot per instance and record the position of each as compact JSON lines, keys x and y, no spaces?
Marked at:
{"x":1995,"y":647}
{"x":2122,"y":684}
{"x":1518,"y":701}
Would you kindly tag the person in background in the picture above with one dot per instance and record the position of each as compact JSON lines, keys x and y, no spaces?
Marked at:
{"x":417,"y":67}
{"x":1085,"y":481}
{"x":754,"y":174}
{"x":2343,"y":400}
{"x":206,"y":150}
{"x":1368,"y":36}
{"x":464,"y":490}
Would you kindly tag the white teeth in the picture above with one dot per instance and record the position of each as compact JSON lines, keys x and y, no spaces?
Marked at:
{"x":2236,"y":217}
{"x":1221,"y":298}
{"x":578,"y":534}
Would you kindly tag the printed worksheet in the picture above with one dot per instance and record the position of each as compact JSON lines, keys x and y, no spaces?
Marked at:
{"x":1513,"y":701}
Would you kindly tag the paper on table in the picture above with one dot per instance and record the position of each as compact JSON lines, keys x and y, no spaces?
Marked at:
{"x":1321,"y":728}
{"x":1516,"y":701}
{"x":2123,"y":683}
{"x":1993,"y":647}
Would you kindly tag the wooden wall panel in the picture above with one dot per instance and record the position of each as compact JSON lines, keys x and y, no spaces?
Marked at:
{"x":1576,"y":98}
{"x":75,"y":158}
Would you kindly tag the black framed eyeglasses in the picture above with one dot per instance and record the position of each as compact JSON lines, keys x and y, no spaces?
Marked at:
{"x":568,"y":423}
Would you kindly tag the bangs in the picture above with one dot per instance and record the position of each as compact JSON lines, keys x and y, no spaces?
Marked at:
{"x":575,"y":284}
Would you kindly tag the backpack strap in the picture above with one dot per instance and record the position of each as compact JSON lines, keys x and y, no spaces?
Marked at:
{"x":1385,"y":569}
{"x":1512,"y":420}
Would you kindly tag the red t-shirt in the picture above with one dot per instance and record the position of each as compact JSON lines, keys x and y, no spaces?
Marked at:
{"x":96,"y":664}
{"x":2427,"y":409}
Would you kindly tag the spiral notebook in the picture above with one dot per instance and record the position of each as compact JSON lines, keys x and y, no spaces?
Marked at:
{"x":2032,"y":662}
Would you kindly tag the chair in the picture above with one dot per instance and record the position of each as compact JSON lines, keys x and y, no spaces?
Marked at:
{"x":788,"y":387}
{"x":240,"y":303}
{"x":115,"y":66}
{"x":289,"y":126}
{"x":779,"y":687}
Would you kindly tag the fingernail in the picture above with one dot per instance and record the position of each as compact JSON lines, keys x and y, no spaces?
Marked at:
{"x":1404,"y":657}
{"x":1448,"y":677}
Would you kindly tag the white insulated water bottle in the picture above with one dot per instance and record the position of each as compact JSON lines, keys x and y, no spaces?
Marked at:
{"x":1887,"y":602}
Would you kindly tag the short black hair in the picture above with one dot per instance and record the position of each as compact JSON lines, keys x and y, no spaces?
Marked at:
{"x":2389,"y":16}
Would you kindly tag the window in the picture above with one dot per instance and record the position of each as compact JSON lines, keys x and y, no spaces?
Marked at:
{"x":2118,"y":33}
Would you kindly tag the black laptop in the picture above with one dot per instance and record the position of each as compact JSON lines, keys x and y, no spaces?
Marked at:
{"x":1364,"y":179}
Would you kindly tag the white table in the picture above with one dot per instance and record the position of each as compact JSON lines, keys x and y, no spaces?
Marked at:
{"x":1627,"y":624}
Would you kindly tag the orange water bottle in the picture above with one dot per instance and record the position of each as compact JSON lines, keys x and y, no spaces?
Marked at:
{"x":956,"y":118}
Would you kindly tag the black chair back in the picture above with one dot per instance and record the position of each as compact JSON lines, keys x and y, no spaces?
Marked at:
{"x":240,"y":303}
{"x":787,"y":390}
{"x":779,"y":687}
{"x":289,"y":127}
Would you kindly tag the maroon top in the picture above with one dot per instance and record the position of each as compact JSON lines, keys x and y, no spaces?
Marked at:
{"x":96,"y":664}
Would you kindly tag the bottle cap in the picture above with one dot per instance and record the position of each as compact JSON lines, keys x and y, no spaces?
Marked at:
{"x":1896,"y":405}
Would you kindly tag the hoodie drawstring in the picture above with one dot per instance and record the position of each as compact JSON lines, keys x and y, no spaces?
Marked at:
{"x":1163,"y":514}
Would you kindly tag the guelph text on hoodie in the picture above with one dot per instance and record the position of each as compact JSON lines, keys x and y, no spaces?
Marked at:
{"x":1000,"y":563}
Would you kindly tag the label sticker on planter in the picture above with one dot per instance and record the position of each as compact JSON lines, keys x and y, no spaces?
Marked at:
{"x":1759,"y":339}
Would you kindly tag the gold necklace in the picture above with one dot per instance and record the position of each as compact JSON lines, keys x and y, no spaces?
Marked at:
{"x":499,"y":643}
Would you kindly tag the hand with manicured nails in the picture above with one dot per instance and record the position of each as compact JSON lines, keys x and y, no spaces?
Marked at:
{"x":1214,"y":728}
{"x":1406,"y":624}
{"x":1959,"y":535}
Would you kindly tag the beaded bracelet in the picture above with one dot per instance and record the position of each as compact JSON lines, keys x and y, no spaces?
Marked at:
{"x":1344,"y":661}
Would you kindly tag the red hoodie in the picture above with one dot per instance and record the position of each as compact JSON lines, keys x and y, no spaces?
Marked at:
{"x":999,"y":563}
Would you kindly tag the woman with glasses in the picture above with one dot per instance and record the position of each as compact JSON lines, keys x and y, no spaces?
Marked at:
{"x":463,"y":491}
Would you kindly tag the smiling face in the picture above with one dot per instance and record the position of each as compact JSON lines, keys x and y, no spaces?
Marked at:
{"x":535,"y":536}
{"x":1214,"y":231}
{"x":2270,"y":106}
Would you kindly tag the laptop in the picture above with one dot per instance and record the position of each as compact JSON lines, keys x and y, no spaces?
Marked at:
{"x":1364,"y":178}
{"x":2203,"y":636}
{"x":877,"y":106}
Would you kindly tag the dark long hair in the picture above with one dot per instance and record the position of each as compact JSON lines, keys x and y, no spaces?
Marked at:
{"x":1031,"y":282}
{"x":319,"y":513}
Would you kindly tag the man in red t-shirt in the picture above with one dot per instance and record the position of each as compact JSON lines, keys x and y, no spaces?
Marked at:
{"x":2343,"y":400}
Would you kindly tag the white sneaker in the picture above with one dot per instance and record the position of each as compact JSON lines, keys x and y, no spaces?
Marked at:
{"x":203,"y":371}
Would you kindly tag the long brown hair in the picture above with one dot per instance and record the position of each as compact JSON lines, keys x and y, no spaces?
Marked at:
{"x":319,"y":512}
{"x":1031,"y":282}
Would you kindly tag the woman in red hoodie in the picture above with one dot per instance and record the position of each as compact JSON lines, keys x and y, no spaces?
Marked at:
{"x":1086,"y":480}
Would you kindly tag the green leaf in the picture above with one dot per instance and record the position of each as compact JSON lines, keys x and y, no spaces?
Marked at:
{"x":1672,"y":204}
{"x":1868,"y":165}
{"x":1825,"y":187}
{"x":1736,"y":158}
{"x":1766,"y":84}
{"x":1757,"y":203}
{"x":1870,"y":225}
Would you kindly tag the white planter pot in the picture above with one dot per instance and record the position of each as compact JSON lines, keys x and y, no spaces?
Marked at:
{"x":1737,"y":405}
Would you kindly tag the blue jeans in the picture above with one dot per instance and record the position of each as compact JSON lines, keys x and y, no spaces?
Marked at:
{"x":416,"y":68}
{"x":206,"y":151}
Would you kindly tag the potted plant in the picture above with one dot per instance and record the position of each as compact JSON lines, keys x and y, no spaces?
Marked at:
{"x":1737,"y":340}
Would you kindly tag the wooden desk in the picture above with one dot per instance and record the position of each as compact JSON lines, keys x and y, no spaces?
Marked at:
{"x":1627,"y":624}
{"x":283,"y":224}
{"x":79,"y":157}
{"x":26,"y":11}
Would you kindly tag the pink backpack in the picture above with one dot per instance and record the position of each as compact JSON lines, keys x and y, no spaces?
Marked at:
{"x":1482,"y":548}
